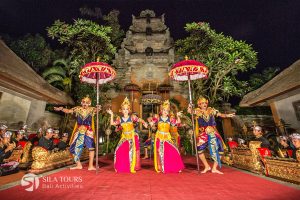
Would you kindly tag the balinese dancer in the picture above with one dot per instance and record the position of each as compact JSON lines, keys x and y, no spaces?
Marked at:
{"x":207,"y":134}
{"x":83,"y":133}
{"x":166,"y":155}
{"x":148,"y":144}
{"x":127,"y":153}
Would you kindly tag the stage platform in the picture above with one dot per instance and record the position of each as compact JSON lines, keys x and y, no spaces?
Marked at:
{"x":146,"y":184}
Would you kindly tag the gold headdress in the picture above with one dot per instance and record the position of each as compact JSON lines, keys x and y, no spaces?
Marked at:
{"x":202,"y":100}
{"x":166,"y":105}
{"x":87,"y":99}
{"x":125,"y":103}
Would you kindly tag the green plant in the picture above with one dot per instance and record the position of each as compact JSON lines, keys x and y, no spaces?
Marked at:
{"x":185,"y":141}
{"x":60,"y":74}
{"x":225,"y":58}
{"x":34,"y":50}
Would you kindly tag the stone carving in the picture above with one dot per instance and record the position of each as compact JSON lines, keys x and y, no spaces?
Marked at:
{"x":147,"y":12}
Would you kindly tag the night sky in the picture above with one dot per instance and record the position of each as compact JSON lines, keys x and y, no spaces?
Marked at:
{"x":271,"y":26}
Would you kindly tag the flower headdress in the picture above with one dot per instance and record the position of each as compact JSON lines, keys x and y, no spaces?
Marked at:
{"x":87,"y":99}
{"x":166,"y":105}
{"x":125,"y":103}
{"x":202,"y":100}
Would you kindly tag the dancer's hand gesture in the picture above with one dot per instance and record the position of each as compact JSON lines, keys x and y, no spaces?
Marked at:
{"x":189,"y":109}
{"x":109,"y":111}
{"x":98,"y":107}
{"x":230,"y":115}
{"x":145,"y":125}
{"x":58,"y":108}
{"x":179,"y":114}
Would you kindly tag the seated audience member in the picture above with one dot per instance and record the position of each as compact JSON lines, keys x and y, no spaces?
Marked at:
{"x":62,"y":145}
{"x":25,"y":129}
{"x":18,"y":138}
{"x":241,"y":143}
{"x":55,"y":137}
{"x":295,"y":137}
{"x":35,"y":137}
{"x":6,"y":147}
{"x":285,"y":146}
{"x":3,"y":129}
{"x":257,"y":132}
{"x":46,"y":140}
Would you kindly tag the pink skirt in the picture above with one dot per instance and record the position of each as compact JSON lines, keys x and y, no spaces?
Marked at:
{"x":168,"y":158}
{"x":124,"y":155}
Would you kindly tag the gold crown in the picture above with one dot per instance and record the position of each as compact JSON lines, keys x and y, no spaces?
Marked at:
{"x":125,"y":103}
{"x":87,"y":99}
{"x":202,"y":100}
{"x":166,"y":105}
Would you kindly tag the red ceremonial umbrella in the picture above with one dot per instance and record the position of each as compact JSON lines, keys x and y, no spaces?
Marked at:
{"x":188,"y":70}
{"x":97,"y":73}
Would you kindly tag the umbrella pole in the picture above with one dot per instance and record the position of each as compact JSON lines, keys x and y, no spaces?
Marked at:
{"x":192,"y":113}
{"x":97,"y":126}
{"x":132,"y":100}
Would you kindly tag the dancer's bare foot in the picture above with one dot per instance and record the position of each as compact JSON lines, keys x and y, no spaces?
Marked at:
{"x":146,"y":157}
{"x":91,"y":168}
{"x":76,"y":167}
{"x":205,"y":170}
{"x":216,"y":171}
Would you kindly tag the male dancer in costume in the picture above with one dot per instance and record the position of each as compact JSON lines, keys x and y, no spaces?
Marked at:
{"x":84,"y":131}
{"x":208,"y":135}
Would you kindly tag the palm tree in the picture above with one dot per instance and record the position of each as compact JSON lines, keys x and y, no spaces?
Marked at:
{"x":60,"y":74}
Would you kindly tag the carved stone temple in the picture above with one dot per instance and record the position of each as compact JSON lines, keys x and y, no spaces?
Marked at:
{"x":143,"y":64}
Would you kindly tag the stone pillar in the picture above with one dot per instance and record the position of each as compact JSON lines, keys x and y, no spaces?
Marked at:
{"x":227,"y":127}
{"x":36,"y":111}
{"x":276,"y":117}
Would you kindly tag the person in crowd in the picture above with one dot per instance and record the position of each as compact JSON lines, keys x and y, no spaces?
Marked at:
{"x":35,"y":137}
{"x":19,"y":137}
{"x":3,"y":129}
{"x":295,"y":137}
{"x":242,"y":143}
{"x":24,"y":130}
{"x":46,"y":141}
{"x":285,"y":147}
{"x":62,"y":145}
{"x":258,"y":133}
{"x":148,"y":144}
{"x":55,"y":137}
{"x":6,"y":147}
